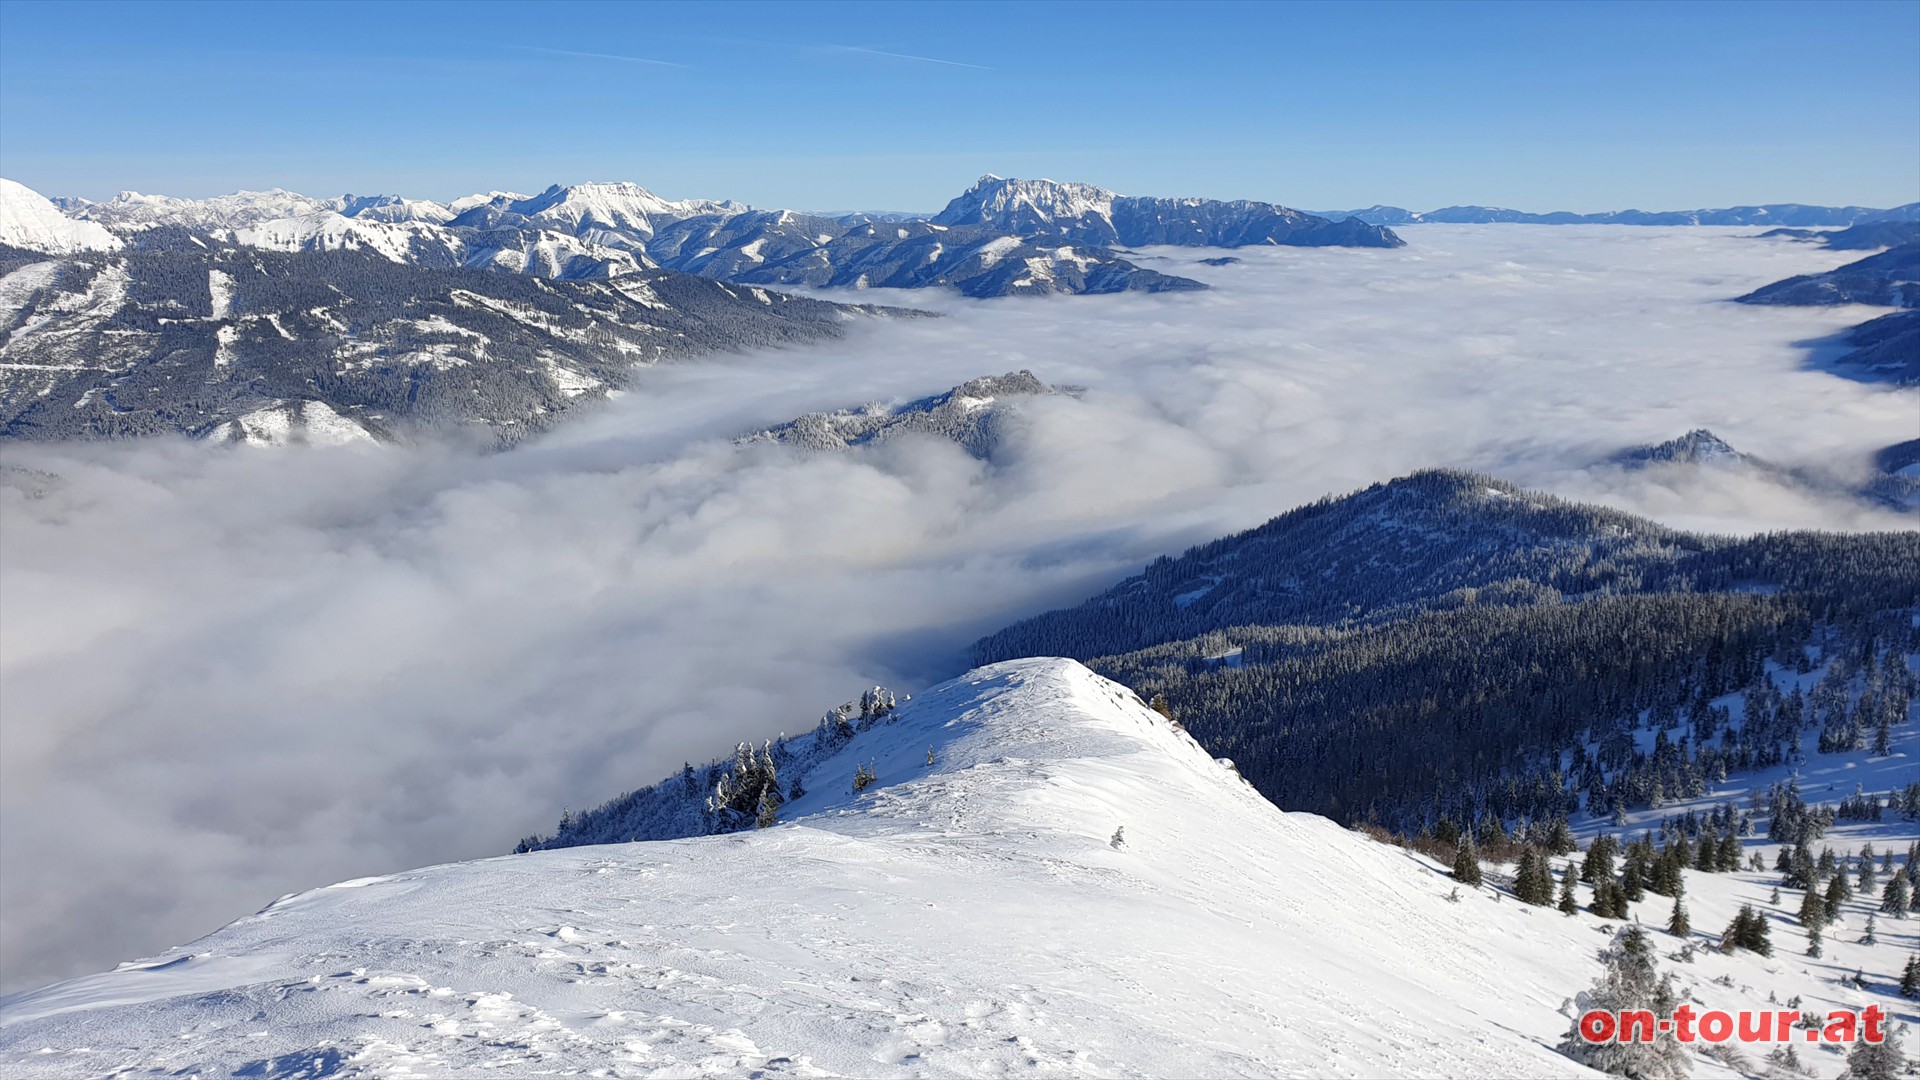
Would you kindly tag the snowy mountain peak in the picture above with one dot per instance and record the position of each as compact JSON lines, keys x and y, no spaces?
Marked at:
{"x":1021,"y":206}
{"x":1696,"y":447}
{"x":620,"y":205}
{"x":29,"y":219}
{"x":1044,"y":875}
{"x":394,"y":208}
{"x":1085,"y":214}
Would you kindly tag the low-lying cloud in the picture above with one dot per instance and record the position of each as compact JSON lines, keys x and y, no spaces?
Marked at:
{"x":226,"y":674}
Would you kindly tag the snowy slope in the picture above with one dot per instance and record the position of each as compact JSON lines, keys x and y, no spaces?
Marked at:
{"x":972,"y":916}
{"x":29,"y":220}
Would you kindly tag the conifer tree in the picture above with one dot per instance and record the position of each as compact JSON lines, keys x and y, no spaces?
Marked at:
{"x":1813,"y":911}
{"x":1884,"y":1060}
{"x":1910,"y":978}
{"x":1868,"y":938}
{"x":1629,"y":982}
{"x":1677,"y":923}
{"x":1895,"y":898}
{"x":1526,"y":878}
{"x":1748,"y":930}
{"x":1813,"y":942}
{"x":1466,"y":862}
{"x":1838,"y":893}
{"x":1633,"y":876}
{"x":1599,"y":861}
{"x":1560,"y":837}
{"x":1729,"y":853}
{"x":1569,"y":904}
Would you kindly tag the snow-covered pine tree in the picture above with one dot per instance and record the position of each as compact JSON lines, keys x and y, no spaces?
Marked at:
{"x":1568,"y":904}
{"x":1883,"y":1060}
{"x":1910,"y":978}
{"x":1629,"y":982}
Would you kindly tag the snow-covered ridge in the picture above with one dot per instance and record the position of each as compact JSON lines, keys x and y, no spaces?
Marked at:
{"x":1069,"y":885}
{"x":997,"y":199}
{"x":971,"y":415}
{"x":29,"y":220}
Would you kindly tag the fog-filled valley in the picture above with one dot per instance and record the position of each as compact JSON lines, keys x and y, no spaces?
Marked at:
{"x":233,"y":672}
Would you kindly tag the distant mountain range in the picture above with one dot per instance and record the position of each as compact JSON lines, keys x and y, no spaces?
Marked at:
{"x":1781,"y":214}
{"x":274,"y":317}
{"x":1001,"y":237}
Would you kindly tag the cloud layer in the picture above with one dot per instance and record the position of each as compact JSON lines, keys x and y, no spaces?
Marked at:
{"x":229,"y":674}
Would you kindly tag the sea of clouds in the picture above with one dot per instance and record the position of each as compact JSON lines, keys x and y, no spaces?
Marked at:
{"x":231,"y":673}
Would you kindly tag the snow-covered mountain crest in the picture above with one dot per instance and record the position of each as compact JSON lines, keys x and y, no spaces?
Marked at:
{"x":1085,"y":214}
{"x":30,"y":220}
{"x":1023,"y":205}
{"x":1045,"y":876}
{"x":623,"y":207}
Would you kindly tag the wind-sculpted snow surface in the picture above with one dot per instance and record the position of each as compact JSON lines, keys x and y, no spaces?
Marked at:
{"x":1070,"y":886}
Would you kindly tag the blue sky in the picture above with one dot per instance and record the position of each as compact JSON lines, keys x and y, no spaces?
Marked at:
{"x":896,"y":106}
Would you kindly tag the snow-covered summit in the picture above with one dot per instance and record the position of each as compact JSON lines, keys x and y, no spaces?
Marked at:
{"x":394,"y":208}
{"x":621,"y":207}
{"x":29,"y":219}
{"x":1024,"y":207}
{"x":1070,"y":884}
{"x":1085,"y":214}
{"x":1696,"y":447}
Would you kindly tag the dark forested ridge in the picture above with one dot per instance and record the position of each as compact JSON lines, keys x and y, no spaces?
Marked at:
{"x":1446,"y":646}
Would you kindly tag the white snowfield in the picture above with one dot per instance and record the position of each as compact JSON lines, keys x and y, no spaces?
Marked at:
{"x":972,"y":917}
{"x":29,"y":220}
{"x":1072,"y":886}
